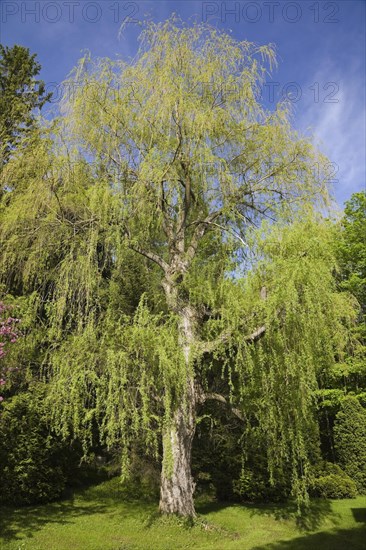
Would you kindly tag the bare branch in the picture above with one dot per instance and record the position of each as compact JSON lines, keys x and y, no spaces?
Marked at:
{"x":278,"y":170}
{"x":256,"y":335}
{"x":228,"y":229}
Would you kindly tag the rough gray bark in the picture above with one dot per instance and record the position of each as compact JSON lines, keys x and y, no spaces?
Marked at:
{"x":177,"y":488}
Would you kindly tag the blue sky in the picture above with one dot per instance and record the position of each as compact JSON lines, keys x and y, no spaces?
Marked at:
{"x":320,"y":47}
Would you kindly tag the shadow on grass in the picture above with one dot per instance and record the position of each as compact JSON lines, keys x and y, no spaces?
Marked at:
{"x":17,"y":523}
{"x":105,"y":497}
{"x":359,"y":515}
{"x":338,"y":539}
{"x":311,"y":518}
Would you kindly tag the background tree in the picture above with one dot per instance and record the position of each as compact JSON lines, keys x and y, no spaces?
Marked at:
{"x":350,"y":440}
{"x":348,"y":375}
{"x":352,"y":250}
{"x":172,"y":158}
{"x":20,"y":94}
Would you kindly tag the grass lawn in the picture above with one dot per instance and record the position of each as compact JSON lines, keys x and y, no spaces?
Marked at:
{"x":100,"y":518}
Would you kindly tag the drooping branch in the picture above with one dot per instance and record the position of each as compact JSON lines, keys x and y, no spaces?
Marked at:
{"x":208,"y":347}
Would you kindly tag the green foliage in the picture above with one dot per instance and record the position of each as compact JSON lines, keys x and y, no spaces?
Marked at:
{"x":125,"y":374}
{"x":351,"y":252}
{"x":32,"y":459}
{"x":172,"y":157}
{"x":330,"y":481}
{"x":20,"y":94}
{"x":255,"y":486}
{"x":351,"y":247}
{"x":348,"y":374}
{"x":307,"y":322}
{"x":329,"y":398}
{"x":350,"y":440}
{"x":216,"y":453}
{"x":219,"y":464}
{"x":334,"y":486}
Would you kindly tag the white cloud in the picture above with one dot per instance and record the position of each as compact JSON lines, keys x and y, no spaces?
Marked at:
{"x":338,"y":123}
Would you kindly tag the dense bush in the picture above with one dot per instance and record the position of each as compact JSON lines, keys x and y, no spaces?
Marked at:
{"x":255,"y":486}
{"x":33,"y":461}
{"x":330,"y":481}
{"x":334,"y":486}
{"x":350,"y":440}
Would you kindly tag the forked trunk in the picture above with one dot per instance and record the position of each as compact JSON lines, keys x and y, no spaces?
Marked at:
{"x":177,"y":487}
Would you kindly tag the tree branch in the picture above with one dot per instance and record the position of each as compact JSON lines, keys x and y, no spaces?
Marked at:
{"x":151,"y":256}
{"x":227,"y":229}
{"x":198,"y":234}
{"x":208,"y":347}
{"x":218,"y":397}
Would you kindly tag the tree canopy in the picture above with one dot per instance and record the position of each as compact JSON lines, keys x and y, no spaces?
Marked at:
{"x":169,"y":164}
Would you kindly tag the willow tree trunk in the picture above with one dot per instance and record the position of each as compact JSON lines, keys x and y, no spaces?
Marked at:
{"x":177,"y":486}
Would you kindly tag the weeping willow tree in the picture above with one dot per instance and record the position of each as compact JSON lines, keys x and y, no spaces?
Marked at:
{"x":150,"y":182}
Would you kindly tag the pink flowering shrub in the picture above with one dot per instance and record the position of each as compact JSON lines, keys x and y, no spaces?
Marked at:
{"x":8,"y":335}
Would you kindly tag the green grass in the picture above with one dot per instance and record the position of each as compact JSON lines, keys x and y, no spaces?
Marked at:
{"x":100,"y":518}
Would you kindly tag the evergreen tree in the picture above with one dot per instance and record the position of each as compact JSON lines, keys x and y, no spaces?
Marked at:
{"x":20,"y":94}
{"x":350,"y":440}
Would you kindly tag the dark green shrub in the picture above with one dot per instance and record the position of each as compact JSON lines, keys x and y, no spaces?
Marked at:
{"x":350,"y":440}
{"x":32,"y":459}
{"x":255,"y":486}
{"x":333,"y":486}
{"x":330,"y":481}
